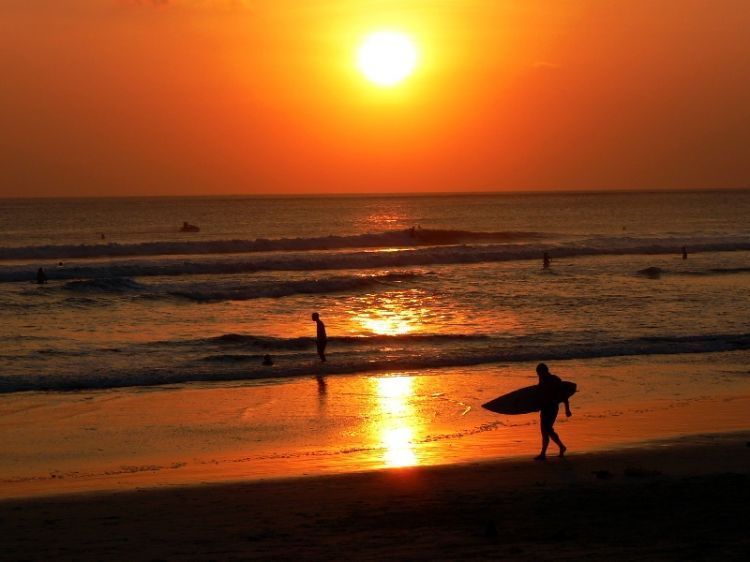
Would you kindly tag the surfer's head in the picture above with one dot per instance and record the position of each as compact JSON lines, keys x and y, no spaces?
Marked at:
{"x":542,"y":369}
{"x":315,"y":316}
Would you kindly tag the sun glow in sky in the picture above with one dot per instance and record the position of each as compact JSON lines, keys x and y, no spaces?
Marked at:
{"x":386,"y":57}
{"x":148,"y":97}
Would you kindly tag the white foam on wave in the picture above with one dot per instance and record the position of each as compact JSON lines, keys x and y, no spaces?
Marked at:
{"x":398,"y":238}
{"x":211,"y":292}
{"x":434,"y":255}
{"x":239,"y":366}
{"x":222,"y":290}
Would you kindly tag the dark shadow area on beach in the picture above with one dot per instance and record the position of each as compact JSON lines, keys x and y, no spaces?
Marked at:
{"x":695,"y":507}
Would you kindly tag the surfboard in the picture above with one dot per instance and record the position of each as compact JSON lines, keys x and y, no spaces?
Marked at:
{"x":527,"y":400}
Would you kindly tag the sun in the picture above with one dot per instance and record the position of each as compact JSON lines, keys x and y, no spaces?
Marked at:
{"x":386,"y":58}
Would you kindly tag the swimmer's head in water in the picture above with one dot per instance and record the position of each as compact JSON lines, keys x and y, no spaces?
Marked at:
{"x":542,"y":369}
{"x":315,"y":316}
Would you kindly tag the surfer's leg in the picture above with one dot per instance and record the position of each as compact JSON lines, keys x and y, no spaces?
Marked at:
{"x":547,"y":418}
{"x":545,"y":444}
{"x":546,"y":428}
{"x":551,"y":418}
{"x":556,"y":438}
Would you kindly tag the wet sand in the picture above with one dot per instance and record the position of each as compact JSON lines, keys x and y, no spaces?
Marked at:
{"x":117,"y":440}
{"x":673,"y":500}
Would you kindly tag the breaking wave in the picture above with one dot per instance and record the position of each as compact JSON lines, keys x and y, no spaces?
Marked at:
{"x":105,"y":285}
{"x":278,"y":344}
{"x":657,"y":272}
{"x":405,"y":238}
{"x":214,"y":291}
{"x":209,"y":292}
{"x":355,"y":355}
{"x":312,"y":261}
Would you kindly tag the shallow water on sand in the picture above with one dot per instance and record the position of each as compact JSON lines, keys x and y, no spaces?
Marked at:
{"x":321,"y":425}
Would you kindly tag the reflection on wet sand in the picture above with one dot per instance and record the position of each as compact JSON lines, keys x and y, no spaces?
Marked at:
{"x":322,"y":392}
{"x":393,"y":313}
{"x":397,"y":420}
{"x":322,"y":385}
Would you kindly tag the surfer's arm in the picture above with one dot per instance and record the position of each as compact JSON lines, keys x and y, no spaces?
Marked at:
{"x":568,"y":413}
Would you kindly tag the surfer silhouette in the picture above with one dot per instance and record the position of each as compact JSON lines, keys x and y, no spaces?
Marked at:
{"x":550,"y":385}
{"x":684,"y":253}
{"x":322,"y":338}
{"x":545,"y":261}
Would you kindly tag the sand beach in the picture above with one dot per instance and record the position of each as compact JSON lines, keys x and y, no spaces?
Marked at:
{"x":684,"y":499}
{"x":658,"y":468}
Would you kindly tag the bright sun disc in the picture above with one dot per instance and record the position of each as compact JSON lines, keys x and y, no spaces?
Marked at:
{"x":386,"y":58}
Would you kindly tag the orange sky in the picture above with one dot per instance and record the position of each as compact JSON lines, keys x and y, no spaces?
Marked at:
{"x":139,"y":97}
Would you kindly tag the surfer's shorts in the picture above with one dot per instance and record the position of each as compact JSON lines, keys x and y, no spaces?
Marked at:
{"x":548,"y":415}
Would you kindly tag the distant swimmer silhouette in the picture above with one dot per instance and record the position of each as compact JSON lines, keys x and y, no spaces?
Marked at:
{"x":322,"y":338}
{"x":267,"y":361}
{"x":684,"y":253}
{"x":550,"y":385}
{"x":41,"y":277}
{"x":187,"y":227}
{"x":545,"y":261}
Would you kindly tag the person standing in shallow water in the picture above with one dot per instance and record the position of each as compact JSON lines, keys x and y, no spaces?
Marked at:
{"x":550,"y":387}
{"x":322,"y":339}
{"x":545,"y":261}
{"x":41,"y":277}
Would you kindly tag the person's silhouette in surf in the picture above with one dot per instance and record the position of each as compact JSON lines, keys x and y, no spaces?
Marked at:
{"x":545,"y":261}
{"x":322,"y":338}
{"x":550,"y":386}
{"x":684,"y":253}
{"x":41,"y":277}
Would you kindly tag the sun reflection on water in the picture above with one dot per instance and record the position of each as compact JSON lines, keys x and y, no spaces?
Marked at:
{"x":391,"y":314}
{"x":399,"y":450}
{"x":396,"y":432}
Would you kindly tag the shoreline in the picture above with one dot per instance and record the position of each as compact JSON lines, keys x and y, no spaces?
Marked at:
{"x":663,"y":500}
{"x":122,"y":440}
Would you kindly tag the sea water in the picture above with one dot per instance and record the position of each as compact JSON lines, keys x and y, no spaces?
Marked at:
{"x":402,"y":283}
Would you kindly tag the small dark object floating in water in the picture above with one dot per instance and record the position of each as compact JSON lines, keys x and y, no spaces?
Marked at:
{"x":651,"y":272}
{"x":187,"y":227}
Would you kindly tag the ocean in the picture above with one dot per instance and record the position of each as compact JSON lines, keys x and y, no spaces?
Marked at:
{"x":140,"y":361}
{"x":403,"y":283}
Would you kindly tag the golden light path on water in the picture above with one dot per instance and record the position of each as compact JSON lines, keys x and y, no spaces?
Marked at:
{"x":392,"y":314}
{"x":398,"y":420}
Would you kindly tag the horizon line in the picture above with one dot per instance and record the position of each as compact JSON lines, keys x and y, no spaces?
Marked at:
{"x":353,"y":194}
